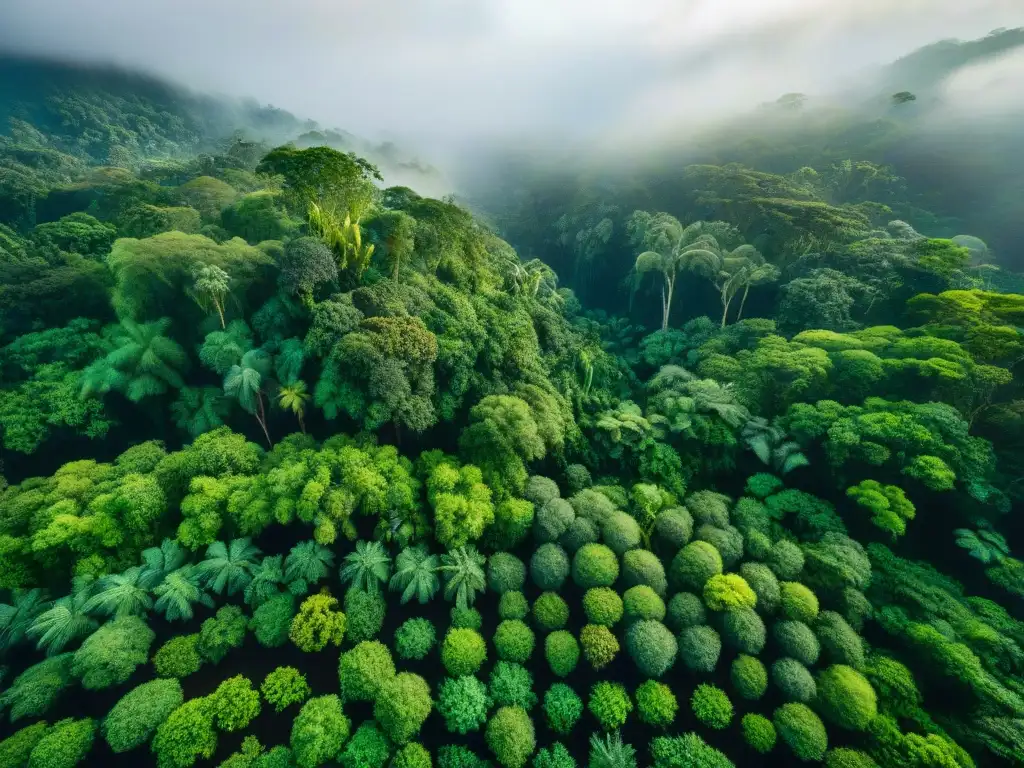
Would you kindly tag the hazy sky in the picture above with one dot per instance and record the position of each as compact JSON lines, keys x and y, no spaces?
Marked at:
{"x":455,"y":71}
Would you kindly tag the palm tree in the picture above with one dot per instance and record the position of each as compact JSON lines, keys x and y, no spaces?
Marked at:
{"x":611,"y":752}
{"x":122,"y":594}
{"x":179,"y":591}
{"x":769,"y":444}
{"x":343,"y":237}
{"x":143,"y":362}
{"x":266,"y":582}
{"x":308,"y":562}
{"x":222,"y":349}
{"x":65,"y":620}
{"x":157,"y":562}
{"x":211,"y":288}
{"x":757,"y":272}
{"x":293,"y":398}
{"x":463,"y":570}
{"x":199,"y":409}
{"x":229,"y":565}
{"x":727,"y":270}
{"x":244,"y":382}
{"x":416,"y":575}
{"x":17,"y":617}
{"x":368,"y":567}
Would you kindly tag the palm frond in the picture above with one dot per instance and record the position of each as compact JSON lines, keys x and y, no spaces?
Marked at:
{"x":416,"y":575}
{"x":368,"y":567}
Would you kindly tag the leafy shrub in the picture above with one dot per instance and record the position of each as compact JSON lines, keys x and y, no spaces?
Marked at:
{"x":134,"y":719}
{"x":656,"y":704}
{"x":786,"y":560}
{"x":846,"y":698}
{"x":793,"y":680}
{"x":272,"y":621}
{"x":178,"y":657}
{"x":226,"y":630}
{"x":594,"y":505}
{"x":763,"y":484}
{"x":549,"y":566}
{"x":457,"y":756}
{"x":412,"y":755}
{"x":673,"y":529}
{"x":466,"y":618}
{"x":513,"y":519}
{"x":580,"y":531}
{"x":711,"y":706}
{"x":555,"y":756}
{"x":798,"y":602}
{"x":513,"y":605}
{"x":277,"y":757}
{"x":594,"y":565}
{"x":64,"y":745}
{"x":510,"y":737}
{"x":693,"y":565}
{"x":843,"y":757}
{"x":762,"y":580}
{"x":562,"y":652}
{"x":839,"y":642}
{"x":727,"y":540}
{"x":505,"y":573}
{"x":609,"y":703}
{"x":795,"y":639}
{"x":402,"y":706}
{"x":16,"y":748}
{"x":744,"y":630}
{"x":514,"y":641}
{"x":652,"y":647}
{"x":364,"y":614}
{"x":602,"y":605}
{"x":540,"y":490}
{"x":110,"y":655}
{"x":699,"y":648}
{"x":511,"y":685}
{"x":577,"y":477}
{"x":368,"y":748}
{"x":552,"y":519}
{"x":599,"y":645}
{"x":363,"y":670}
{"x":684,"y":610}
{"x":640,"y":566}
{"x":317,"y":624}
{"x":235,"y":703}
{"x":642,"y":603}
{"x":749,"y":677}
{"x":562,"y":707}
{"x":621,"y":532}
{"x":758,"y":732}
{"x":550,"y":611}
{"x":802,"y":731}
{"x":758,"y":547}
{"x":894,"y":684}
{"x":285,"y":686}
{"x":727,"y":592}
{"x":686,"y":750}
{"x":709,"y":508}
{"x":186,"y":735}
{"x":414,"y":638}
{"x":463,"y":703}
{"x":463,"y":651}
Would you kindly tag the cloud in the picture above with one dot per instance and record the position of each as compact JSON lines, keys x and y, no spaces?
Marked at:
{"x":450,"y":74}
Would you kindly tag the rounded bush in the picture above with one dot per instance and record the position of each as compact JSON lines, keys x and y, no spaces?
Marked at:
{"x":235,"y":703}
{"x":758,"y":547}
{"x":642,"y":567}
{"x":562,"y":652}
{"x":511,"y":685}
{"x":684,"y":610}
{"x":599,"y":645}
{"x":412,"y":755}
{"x":465,"y":618}
{"x":699,"y":648}
{"x":642,"y":603}
{"x":843,"y":757}
{"x":758,"y":732}
{"x":621,"y":532}
{"x":550,"y":611}
{"x":463,"y":651}
{"x":749,"y":677}
{"x":728,"y":541}
{"x":555,"y":756}
{"x":656,"y":704}
{"x":364,"y":669}
{"x":272,"y":621}
{"x":549,"y":566}
{"x":711,"y":706}
{"x":846,"y":698}
{"x":16,"y":749}
{"x":709,"y":508}
{"x":179,"y":656}
{"x":318,"y":732}
{"x":65,"y":745}
{"x":403,"y":705}
{"x":673,"y":529}
{"x":283,"y":687}
{"x":463,"y":703}
{"x":134,"y":719}
{"x":513,"y":521}
{"x":796,"y":640}
{"x":551,"y":520}
{"x":652,"y":647}
{"x":798,"y":602}
{"x":562,"y":708}
{"x":744,"y":630}
{"x":514,"y":641}
{"x":577,"y":477}
{"x":727,"y":592}
{"x":540,"y":490}
{"x":593,"y":505}
{"x":793,"y":680}
{"x":603,"y":606}
{"x":580,"y":531}
{"x":786,"y":560}
{"x":364,"y":614}
{"x":839,"y":642}
{"x":693,"y":565}
{"x":595,"y":565}
{"x":505,"y":573}
{"x":513,"y":605}
{"x":609,"y":704}
{"x":802,"y":730}
{"x":510,"y":737}
{"x":368,"y":748}
{"x":414,"y":639}
{"x":763,"y":581}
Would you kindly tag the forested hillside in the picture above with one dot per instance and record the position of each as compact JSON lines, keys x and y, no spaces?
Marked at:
{"x":304,"y":467}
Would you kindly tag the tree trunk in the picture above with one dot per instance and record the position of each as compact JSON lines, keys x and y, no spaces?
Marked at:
{"x":220,"y":313}
{"x":664,"y":306}
{"x":262,"y":419}
{"x":743,"y":301}
{"x":668,"y":304}
{"x":302,"y":421}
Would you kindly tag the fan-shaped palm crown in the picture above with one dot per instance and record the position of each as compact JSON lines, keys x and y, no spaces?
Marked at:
{"x":65,"y":620}
{"x":229,"y":565}
{"x":463,"y":570}
{"x":266,"y":582}
{"x":17,"y":617}
{"x":179,"y":591}
{"x":144,"y":361}
{"x":157,"y":562}
{"x":416,"y":575}
{"x":122,"y":594}
{"x":309,"y":562}
{"x":368,"y":567}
